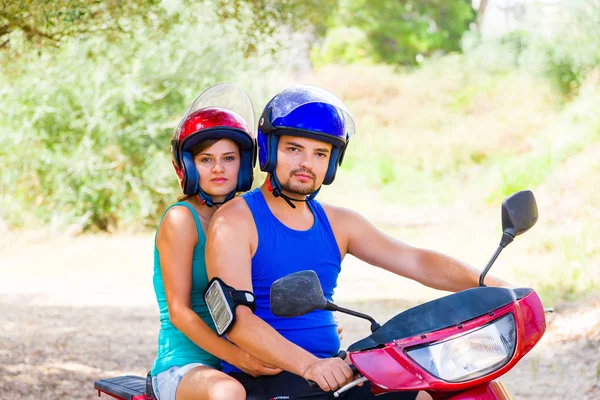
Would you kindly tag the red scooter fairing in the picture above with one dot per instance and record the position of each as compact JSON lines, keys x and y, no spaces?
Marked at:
{"x":389,"y":368}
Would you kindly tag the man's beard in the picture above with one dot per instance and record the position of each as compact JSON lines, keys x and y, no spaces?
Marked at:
{"x":303,"y":189}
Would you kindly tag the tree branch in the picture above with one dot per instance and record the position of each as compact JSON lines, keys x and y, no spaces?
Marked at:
{"x":5,"y":29}
{"x":29,"y":30}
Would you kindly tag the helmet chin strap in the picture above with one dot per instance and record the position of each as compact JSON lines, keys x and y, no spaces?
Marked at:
{"x":205,"y":199}
{"x":276,"y":189}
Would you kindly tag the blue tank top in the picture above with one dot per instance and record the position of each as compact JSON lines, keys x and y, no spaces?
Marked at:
{"x":282,"y":251}
{"x":174,"y":348}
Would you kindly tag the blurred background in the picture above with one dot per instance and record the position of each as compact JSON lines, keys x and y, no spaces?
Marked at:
{"x":458,"y":104}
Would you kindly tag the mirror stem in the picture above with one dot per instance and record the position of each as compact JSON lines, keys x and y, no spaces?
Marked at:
{"x":489,"y":265}
{"x":334,"y":307}
{"x":505,"y":241}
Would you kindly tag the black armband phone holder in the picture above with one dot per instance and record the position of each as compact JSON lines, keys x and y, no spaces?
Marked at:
{"x":222,"y":300}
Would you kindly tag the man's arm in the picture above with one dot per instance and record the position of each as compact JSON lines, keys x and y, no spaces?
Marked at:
{"x":433,"y":269}
{"x":231,"y":241}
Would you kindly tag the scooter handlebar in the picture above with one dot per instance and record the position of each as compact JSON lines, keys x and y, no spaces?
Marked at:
{"x":314,"y":385}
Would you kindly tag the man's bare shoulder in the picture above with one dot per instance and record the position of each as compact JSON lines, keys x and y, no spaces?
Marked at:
{"x":340,"y":213}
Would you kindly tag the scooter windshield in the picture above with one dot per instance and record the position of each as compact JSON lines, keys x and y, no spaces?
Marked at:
{"x":227,"y":96}
{"x":297,"y":96}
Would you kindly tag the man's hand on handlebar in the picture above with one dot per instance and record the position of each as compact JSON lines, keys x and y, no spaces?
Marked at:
{"x":329,"y":373}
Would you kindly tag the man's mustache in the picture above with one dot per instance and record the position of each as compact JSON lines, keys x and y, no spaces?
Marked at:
{"x":304,"y":171}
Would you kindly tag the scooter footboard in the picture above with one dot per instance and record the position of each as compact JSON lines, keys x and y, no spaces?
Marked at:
{"x":494,"y":390}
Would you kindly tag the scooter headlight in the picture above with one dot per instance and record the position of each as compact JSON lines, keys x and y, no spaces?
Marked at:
{"x":472,"y":355}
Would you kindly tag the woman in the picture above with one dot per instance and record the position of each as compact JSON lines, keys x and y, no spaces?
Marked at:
{"x":213,"y":153}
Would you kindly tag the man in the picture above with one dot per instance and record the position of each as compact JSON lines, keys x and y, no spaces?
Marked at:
{"x":279,"y":228}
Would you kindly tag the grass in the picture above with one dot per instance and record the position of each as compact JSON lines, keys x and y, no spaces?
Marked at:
{"x":428,"y":126}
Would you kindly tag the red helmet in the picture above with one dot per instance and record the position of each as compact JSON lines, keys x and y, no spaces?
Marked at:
{"x":222,"y":112}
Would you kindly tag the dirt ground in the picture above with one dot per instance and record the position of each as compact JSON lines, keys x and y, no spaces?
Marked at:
{"x":75,"y":310}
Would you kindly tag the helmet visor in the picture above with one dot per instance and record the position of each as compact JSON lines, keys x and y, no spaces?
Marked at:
{"x":297,"y":96}
{"x":225,"y":95}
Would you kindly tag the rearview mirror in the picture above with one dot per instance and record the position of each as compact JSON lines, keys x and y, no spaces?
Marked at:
{"x":297,"y":294}
{"x":519,"y":213}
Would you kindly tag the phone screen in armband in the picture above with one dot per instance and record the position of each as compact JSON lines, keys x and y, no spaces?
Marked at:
{"x":219,"y":308}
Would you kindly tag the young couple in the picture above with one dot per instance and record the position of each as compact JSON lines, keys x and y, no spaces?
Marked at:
{"x":260,"y":236}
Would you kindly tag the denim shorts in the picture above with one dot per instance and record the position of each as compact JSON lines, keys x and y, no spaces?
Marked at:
{"x":165,"y":384}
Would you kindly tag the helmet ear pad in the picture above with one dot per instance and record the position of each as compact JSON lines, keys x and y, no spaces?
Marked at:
{"x":334,"y":160}
{"x":191,"y":180}
{"x":271,"y":161}
{"x":246,"y":174}
{"x":337,"y":156}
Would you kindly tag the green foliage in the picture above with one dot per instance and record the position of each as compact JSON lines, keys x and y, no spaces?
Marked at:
{"x":86,"y":130}
{"x":439,"y":122}
{"x":399,"y":32}
{"x":52,"y":21}
{"x":257,"y":19}
{"x":567,"y":281}
{"x":342,"y":45}
{"x":565,"y":51}
{"x":494,"y":56}
{"x":577,"y":128}
{"x":296,"y":13}
{"x":522,"y":173}
{"x":574,"y":50}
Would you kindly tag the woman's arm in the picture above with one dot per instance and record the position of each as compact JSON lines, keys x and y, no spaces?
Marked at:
{"x":177,"y":236}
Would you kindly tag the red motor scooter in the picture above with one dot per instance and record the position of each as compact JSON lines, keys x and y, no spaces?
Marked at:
{"x":454,"y":347}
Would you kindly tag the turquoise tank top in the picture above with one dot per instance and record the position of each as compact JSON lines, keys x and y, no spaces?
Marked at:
{"x":174,"y":348}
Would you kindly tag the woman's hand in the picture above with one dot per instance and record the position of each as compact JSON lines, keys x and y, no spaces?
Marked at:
{"x":340,"y":328}
{"x":253,"y":366}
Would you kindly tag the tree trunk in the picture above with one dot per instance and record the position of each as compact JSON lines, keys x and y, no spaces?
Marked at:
{"x":481,"y":12}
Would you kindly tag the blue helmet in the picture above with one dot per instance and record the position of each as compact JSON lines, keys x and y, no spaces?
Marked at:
{"x":306,"y":111}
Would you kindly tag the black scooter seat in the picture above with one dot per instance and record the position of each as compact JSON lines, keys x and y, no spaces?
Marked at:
{"x":441,"y":313}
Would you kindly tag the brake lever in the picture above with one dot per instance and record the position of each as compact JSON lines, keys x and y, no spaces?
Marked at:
{"x":349,"y":386}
